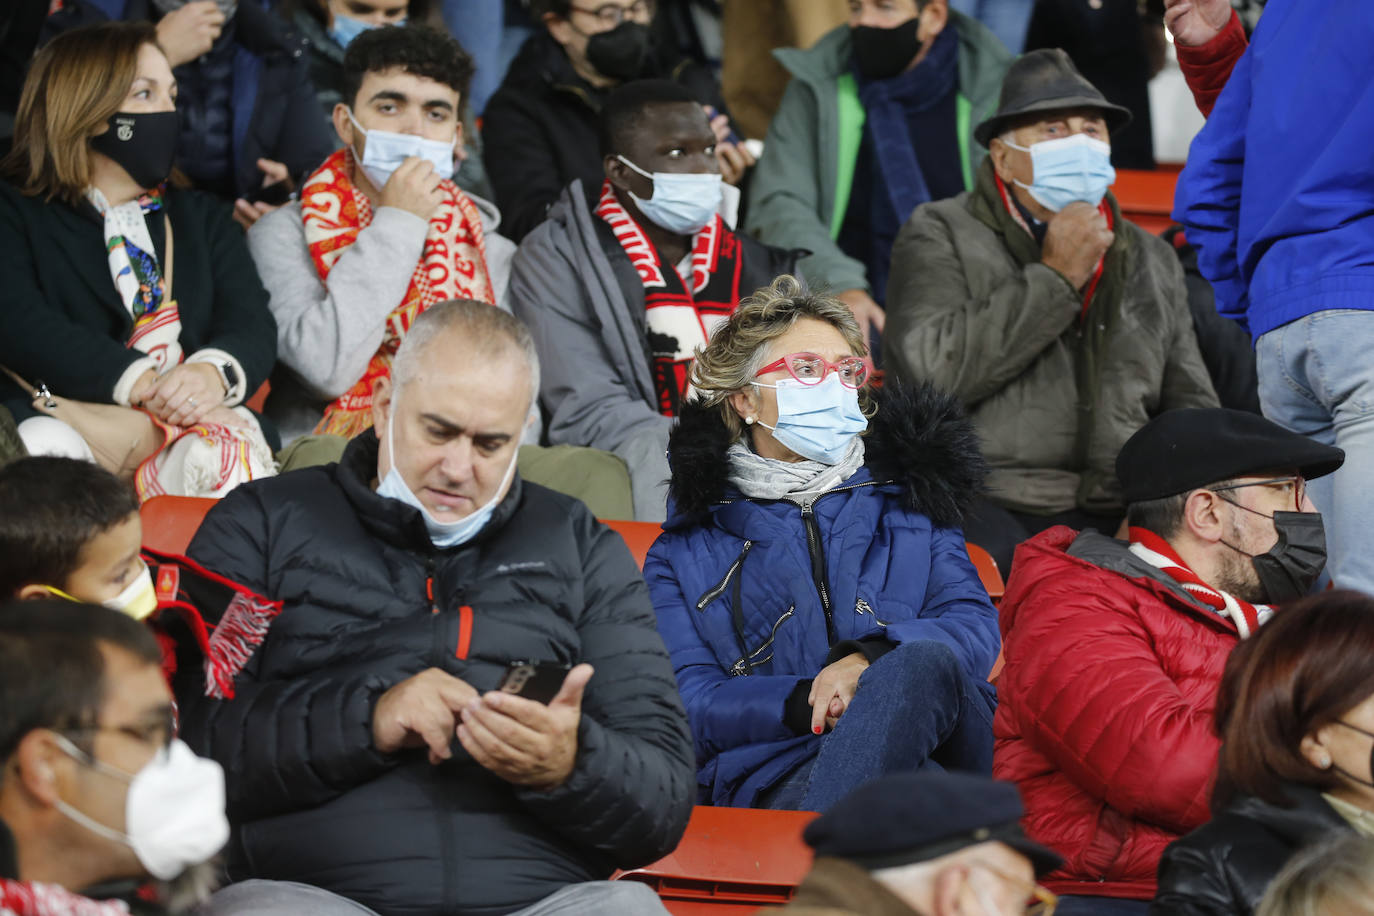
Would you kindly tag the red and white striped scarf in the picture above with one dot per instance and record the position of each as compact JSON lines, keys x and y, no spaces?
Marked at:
{"x":680,"y":312}
{"x":1153,"y":549}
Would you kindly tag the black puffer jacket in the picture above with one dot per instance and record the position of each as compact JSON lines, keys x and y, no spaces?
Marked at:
{"x":311,"y":799}
{"x":1223,"y":867}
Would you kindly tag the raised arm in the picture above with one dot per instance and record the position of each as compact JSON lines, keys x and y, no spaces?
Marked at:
{"x":328,"y":331}
{"x":1207,"y":199}
{"x":970,"y":345}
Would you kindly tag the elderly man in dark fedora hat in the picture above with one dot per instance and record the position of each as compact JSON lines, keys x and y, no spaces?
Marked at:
{"x":928,"y":843}
{"x":1115,"y":648}
{"x":1063,"y":327}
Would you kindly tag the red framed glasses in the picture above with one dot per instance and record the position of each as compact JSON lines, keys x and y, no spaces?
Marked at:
{"x":812,"y":368}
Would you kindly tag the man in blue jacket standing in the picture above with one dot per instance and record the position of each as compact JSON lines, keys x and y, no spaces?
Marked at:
{"x":1278,"y":197}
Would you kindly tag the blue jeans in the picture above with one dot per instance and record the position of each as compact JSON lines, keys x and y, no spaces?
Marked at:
{"x":1100,"y":906}
{"x":915,"y":708}
{"x":1007,"y":19}
{"x":1316,"y":378}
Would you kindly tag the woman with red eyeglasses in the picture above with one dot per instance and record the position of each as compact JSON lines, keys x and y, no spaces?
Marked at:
{"x":812,"y":583}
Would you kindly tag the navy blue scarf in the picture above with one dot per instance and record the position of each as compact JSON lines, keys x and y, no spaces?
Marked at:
{"x":894,"y":108}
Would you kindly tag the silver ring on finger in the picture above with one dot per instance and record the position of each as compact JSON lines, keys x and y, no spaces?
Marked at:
{"x":191,"y":401}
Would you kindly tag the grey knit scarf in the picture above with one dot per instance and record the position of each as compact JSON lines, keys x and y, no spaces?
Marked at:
{"x":800,"y":481}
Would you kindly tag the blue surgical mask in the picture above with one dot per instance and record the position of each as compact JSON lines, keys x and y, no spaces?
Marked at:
{"x":385,"y":151}
{"x":817,"y":421}
{"x":1069,"y":169}
{"x":442,"y":535}
{"x":683,"y":202}
{"x":346,"y":28}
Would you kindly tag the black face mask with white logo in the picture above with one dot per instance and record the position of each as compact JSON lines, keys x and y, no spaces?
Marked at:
{"x":143,"y":143}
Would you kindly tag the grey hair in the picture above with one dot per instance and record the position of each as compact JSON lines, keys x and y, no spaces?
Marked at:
{"x":1334,"y":876}
{"x":737,"y":348}
{"x":482,"y":327}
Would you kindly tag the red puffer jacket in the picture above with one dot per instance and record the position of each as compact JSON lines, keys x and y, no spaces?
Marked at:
{"x":1105,"y":708}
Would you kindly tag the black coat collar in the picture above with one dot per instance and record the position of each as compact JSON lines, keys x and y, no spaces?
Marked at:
{"x":1309,"y":817}
{"x":920,"y":439}
{"x":393,"y":521}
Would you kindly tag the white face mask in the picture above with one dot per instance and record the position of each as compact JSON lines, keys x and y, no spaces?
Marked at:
{"x":442,"y":535}
{"x":682,"y":202}
{"x":384,"y":152}
{"x":817,"y":421}
{"x":174,"y":810}
{"x":139,"y":598}
{"x":1068,"y":169}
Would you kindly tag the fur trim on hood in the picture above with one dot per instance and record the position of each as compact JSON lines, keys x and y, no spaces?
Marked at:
{"x":920,"y":438}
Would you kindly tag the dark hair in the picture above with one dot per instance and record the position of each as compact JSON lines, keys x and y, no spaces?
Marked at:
{"x":558,"y":7}
{"x":415,"y":49}
{"x":52,"y":672}
{"x":1164,"y":516}
{"x":418,"y":12}
{"x":1308,"y":666}
{"x":624,"y":110}
{"x":562,"y":8}
{"x":50,"y":509}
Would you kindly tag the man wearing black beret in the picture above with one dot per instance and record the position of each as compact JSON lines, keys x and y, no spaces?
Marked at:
{"x":926,"y":843}
{"x":1114,"y":649}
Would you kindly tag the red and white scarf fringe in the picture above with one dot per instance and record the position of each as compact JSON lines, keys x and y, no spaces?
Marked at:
{"x":1153,"y":549}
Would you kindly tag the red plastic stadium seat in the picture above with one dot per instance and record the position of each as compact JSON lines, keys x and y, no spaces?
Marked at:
{"x":639,"y":536}
{"x":259,"y":397}
{"x":170,"y":522}
{"x":731,"y":860}
{"x":987,"y":571}
{"x":1146,"y":197}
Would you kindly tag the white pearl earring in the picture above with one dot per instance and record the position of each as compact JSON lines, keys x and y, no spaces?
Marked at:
{"x":1324,"y":761}
{"x":749,"y":420}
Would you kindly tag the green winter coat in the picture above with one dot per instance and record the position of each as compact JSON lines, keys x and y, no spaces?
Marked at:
{"x":800,"y":188}
{"x":971,"y":308}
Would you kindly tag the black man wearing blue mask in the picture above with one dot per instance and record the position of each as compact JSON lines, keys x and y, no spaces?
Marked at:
{"x":627,"y":278}
{"x":1063,"y":327}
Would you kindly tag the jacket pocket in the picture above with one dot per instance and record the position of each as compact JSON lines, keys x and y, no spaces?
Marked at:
{"x":753,"y":659}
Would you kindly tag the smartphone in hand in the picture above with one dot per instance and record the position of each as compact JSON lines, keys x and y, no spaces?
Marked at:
{"x":539,"y":681}
{"x":274,"y":195}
